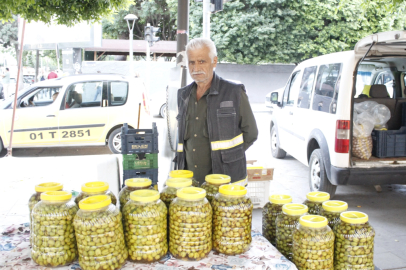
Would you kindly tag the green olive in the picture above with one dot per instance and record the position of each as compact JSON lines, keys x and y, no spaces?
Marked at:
{"x":124,"y":195}
{"x":269,"y":214}
{"x":232,"y":217}
{"x":82,"y":195}
{"x":314,"y":207}
{"x":53,"y":235}
{"x":285,"y":226}
{"x":168,"y":194}
{"x":211,"y":190}
{"x":332,"y":217}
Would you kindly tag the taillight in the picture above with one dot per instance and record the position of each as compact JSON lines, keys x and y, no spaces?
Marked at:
{"x":342,"y":136}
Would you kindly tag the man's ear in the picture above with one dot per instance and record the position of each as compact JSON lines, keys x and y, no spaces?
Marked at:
{"x":215,"y":61}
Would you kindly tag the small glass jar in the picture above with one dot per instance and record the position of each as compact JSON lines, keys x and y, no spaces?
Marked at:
{"x":99,"y":234}
{"x":314,"y":201}
{"x":95,"y":188}
{"x":190,"y":219}
{"x":145,"y":224}
{"x":53,"y":235}
{"x":270,"y":212}
{"x":285,"y":226}
{"x":184,"y":174}
{"x":131,"y":185}
{"x":313,"y":244}
{"x":168,"y":194}
{"x":354,"y":245}
{"x":332,"y":210}
{"x":212,"y":184}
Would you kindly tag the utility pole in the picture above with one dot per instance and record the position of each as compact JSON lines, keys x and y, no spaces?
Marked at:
{"x":182,"y":37}
{"x":206,"y":18}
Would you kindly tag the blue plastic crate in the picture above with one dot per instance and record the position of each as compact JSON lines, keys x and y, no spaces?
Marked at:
{"x":141,"y":173}
{"x":389,"y":143}
{"x":135,"y":141}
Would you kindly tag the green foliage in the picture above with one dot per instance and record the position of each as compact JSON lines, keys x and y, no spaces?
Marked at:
{"x":9,"y":32}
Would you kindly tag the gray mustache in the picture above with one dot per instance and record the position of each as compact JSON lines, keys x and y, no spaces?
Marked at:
{"x":197,"y":73}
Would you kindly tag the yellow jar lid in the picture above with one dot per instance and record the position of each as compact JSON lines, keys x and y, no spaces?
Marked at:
{"x":95,"y":202}
{"x":138,"y":182}
{"x":179,"y":182}
{"x":191,"y":193}
{"x":294,"y":209}
{"x":354,"y":217}
{"x":280,"y":199}
{"x":56,"y":196}
{"x":181,"y":174}
{"x":335,"y":206}
{"x":318,"y":196}
{"x":144,"y":195}
{"x":218,"y":179}
{"x":313,"y":221}
{"x":95,"y":186}
{"x":49,"y":186}
{"x":231,"y":189}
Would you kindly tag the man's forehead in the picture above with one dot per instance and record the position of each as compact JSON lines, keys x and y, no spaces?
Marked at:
{"x":199,"y":53}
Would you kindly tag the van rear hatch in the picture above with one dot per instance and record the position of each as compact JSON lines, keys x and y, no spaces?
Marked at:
{"x":386,"y":43}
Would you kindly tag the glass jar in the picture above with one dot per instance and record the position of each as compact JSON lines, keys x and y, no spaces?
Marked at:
{"x":212,"y":184}
{"x":332,"y":210}
{"x":313,"y":244}
{"x":270,"y":212}
{"x":99,"y":234}
{"x":168,"y":194}
{"x":131,"y":185}
{"x":314,"y":201}
{"x":184,"y":174}
{"x":285,"y":226}
{"x":232,"y":218}
{"x":145,"y":224}
{"x":95,"y":188}
{"x":354,"y":245}
{"x":190,"y":219}
{"x":53,"y":235}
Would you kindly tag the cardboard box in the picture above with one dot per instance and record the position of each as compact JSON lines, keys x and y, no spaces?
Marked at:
{"x":259,"y":173}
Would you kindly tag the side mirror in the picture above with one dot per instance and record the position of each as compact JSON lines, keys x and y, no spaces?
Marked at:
{"x":274,"y":98}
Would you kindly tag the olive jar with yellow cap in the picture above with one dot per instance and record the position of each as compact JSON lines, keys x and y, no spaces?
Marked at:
{"x":190,"y":220}
{"x":314,"y":201}
{"x":99,"y":234}
{"x":184,"y":174}
{"x":232,"y":218}
{"x":313,"y":244}
{"x":145,"y":221}
{"x":332,"y":210}
{"x":285,"y":226}
{"x":95,"y":188}
{"x":270,"y":212}
{"x":354,"y":244}
{"x":53,"y":235}
{"x":168,"y":194}
{"x":212,"y":184}
{"x":131,"y":185}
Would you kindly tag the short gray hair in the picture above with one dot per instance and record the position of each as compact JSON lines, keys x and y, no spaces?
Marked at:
{"x":199,"y":43}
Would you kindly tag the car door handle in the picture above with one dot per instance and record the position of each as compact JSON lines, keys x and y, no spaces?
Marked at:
{"x":290,"y":113}
{"x":51,"y":115}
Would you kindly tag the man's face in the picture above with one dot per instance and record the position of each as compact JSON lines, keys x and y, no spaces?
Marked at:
{"x":200,"y":65}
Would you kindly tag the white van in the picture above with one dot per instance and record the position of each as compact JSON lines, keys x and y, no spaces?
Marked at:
{"x":314,"y":124}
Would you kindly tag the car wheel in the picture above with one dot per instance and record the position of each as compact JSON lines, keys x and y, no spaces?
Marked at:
{"x":114,"y":141}
{"x":317,"y":175}
{"x":277,"y":152}
{"x":162,"y":111}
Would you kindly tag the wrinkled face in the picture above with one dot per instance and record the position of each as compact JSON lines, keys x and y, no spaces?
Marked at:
{"x":200,"y":65}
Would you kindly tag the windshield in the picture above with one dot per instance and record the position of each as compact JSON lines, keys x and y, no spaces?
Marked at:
{"x":4,"y":104}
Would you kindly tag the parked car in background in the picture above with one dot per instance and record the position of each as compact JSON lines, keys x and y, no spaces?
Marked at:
{"x":268,"y":102}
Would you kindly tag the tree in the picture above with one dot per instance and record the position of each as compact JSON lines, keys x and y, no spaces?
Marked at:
{"x":9,"y":34}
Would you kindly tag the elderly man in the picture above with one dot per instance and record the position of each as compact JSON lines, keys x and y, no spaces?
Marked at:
{"x":215,"y":122}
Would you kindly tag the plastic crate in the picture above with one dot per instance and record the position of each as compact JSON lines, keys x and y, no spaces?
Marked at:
{"x":258,"y":191}
{"x":135,"y":161}
{"x":135,"y":141}
{"x":389,"y":143}
{"x":141,"y":173}
{"x":404,"y":114}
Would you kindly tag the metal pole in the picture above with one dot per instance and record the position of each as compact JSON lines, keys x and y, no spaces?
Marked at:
{"x":131,"y":50}
{"x":36,"y":66}
{"x":206,"y":18}
{"x":57,"y":55}
{"x":182,"y":37}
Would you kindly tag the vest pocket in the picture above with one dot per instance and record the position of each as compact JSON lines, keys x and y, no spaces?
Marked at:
{"x":186,"y":134}
{"x":234,"y":163}
{"x":226,"y":122}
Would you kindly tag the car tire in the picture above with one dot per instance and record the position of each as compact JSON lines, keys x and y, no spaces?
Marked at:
{"x":277,"y":152}
{"x":114,"y":142}
{"x":318,"y":180}
{"x":162,"y":111}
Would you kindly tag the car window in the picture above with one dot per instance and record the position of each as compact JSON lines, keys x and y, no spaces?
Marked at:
{"x":118,"y":93}
{"x":306,"y":87}
{"x":43,"y":96}
{"x":386,"y":78}
{"x":84,"y":95}
{"x":291,"y":90}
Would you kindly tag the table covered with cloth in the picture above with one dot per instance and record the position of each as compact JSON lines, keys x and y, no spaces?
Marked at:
{"x":15,"y":254}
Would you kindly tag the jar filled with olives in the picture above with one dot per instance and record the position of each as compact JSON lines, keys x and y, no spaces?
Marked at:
{"x":53,"y":235}
{"x":184,"y":174}
{"x":232,"y":218}
{"x":99,"y":234}
{"x":168,"y":194}
{"x":131,"y":185}
{"x":313,"y":244}
{"x":314,"y":201}
{"x":145,"y":224}
{"x":212,"y":184}
{"x":95,"y":188}
{"x":270,"y":212}
{"x":354,"y":245}
{"x":332,"y":210}
{"x":285,"y":226}
{"x":190,"y":219}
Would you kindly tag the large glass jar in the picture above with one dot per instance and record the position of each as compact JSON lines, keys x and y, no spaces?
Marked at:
{"x":184,"y":174}
{"x":99,"y":234}
{"x":190,"y":219}
{"x":131,"y":185}
{"x":168,"y":194}
{"x":53,"y":235}
{"x":354,"y":245}
{"x":96,"y":188}
{"x":314,"y":201}
{"x":270,"y":212}
{"x":332,"y":210}
{"x":313,"y":244}
{"x":212,"y":184}
{"x":232,"y":218}
{"x":145,"y":224}
{"x":285,"y":226}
